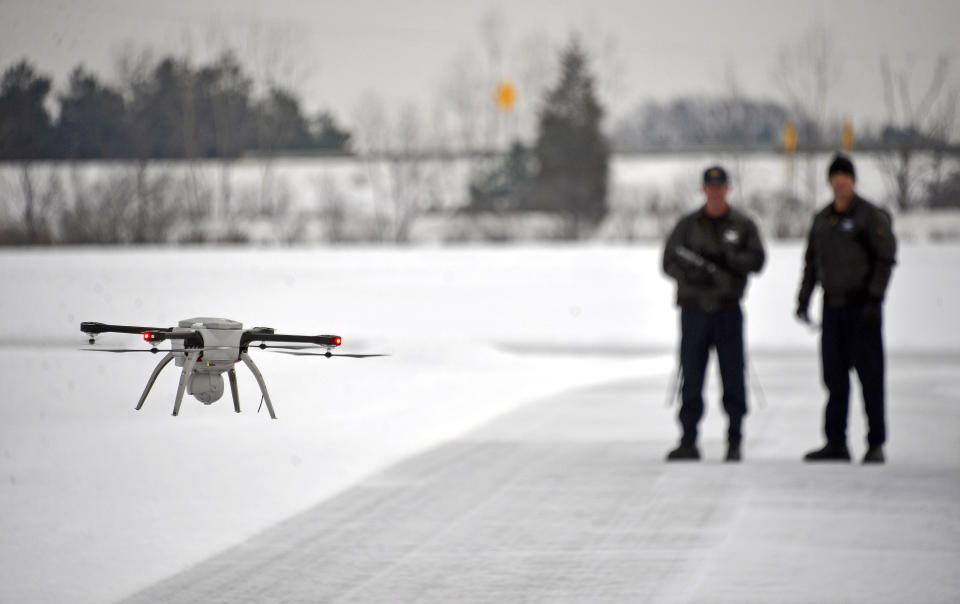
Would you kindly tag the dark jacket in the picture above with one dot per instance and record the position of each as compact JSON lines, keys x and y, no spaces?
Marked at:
{"x":731,"y":243}
{"x":851,"y":254}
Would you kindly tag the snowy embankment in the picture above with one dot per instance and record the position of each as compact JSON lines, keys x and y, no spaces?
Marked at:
{"x":97,"y":500}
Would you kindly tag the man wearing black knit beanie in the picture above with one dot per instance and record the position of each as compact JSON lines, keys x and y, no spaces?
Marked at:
{"x":851,"y":250}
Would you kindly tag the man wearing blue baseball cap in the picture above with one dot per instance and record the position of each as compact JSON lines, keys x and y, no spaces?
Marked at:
{"x":710,"y":253}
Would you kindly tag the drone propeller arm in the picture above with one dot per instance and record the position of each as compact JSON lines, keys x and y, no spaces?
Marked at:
{"x":94,"y":328}
{"x":150,"y":334}
{"x":324,"y":340}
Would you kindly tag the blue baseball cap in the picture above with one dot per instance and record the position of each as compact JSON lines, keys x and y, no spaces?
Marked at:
{"x":715,"y":175}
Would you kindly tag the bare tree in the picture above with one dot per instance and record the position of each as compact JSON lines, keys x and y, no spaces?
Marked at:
{"x":468,"y":88}
{"x":916,"y":123}
{"x":462,"y":99}
{"x":412,"y":177}
{"x":332,"y":209}
{"x":134,"y":66}
{"x":98,"y":214}
{"x":278,"y":64}
{"x":630,"y":210}
{"x":493,"y":36}
{"x":536,"y":71}
{"x":403,"y":177}
{"x":372,"y":142}
{"x":35,"y":201}
{"x":609,"y":64}
{"x":806,"y":74}
{"x":735,"y":121}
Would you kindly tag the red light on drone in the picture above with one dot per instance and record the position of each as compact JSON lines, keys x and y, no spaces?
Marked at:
{"x":336,"y":340}
{"x":147,"y":336}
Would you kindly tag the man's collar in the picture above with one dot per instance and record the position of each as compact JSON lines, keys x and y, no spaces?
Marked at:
{"x":854,"y":202}
{"x":703,"y":212}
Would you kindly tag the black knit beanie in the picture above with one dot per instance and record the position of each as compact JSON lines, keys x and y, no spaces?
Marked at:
{"x":841,"y":163}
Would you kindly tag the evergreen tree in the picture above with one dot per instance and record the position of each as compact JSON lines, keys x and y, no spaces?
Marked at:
{"x":506,"y":186}
{"x":25,"y":125}
{"x":327,"y":134}
{"x":25,"y":135}
{"x":167,"y":109}
{"x":225,"y":123}
{"x":571,"y":150}
{"x":162,"y":114}
{"x":282,"y":125}
{"x":91,"y":123}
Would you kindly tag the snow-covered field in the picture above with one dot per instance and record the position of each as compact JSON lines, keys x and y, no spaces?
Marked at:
{"x":98,"y":500}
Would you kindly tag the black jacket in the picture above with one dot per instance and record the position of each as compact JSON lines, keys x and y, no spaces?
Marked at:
{"x":731,"y":243}
{"x":851,"y":254}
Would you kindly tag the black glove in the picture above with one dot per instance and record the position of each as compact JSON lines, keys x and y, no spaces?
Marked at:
{"x":729,"y":261}
{"x":801,"y":313}
{"x":699,"y":277}
{"x":872,"y":314}
{"x":716,"y":259}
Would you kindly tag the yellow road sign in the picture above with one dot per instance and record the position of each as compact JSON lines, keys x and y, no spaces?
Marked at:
{"x":506,"y":95}
{"x":847,"y":135}
{"x":789,"y":137}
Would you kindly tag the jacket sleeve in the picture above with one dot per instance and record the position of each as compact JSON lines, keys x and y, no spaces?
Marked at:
{"x":672,"y":264}
{"x":749,"y":258}
{"x":883,"y":250}
{"x":809,"y":278}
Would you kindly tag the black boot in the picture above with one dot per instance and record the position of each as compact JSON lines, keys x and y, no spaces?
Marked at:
{"x":830,"y":452}
{"x":684,"y":453}
{"x":733,"y":452}
{"x":874,"y":454}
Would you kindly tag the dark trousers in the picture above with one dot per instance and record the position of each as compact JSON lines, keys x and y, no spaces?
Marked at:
{"x":847,"y":342}
{"x":699,"y":332}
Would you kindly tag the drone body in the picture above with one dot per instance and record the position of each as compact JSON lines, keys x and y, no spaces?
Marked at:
{"x":210,"y":347}
{"x":221,"y":341}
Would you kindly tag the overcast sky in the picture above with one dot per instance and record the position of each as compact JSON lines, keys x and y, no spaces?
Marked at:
{"x":337,"y":51}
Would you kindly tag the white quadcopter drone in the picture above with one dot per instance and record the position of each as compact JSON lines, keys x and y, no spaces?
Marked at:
{"x":209,"y":347}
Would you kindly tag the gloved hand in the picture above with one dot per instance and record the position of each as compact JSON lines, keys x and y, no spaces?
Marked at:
{"x":729,"y":261}
{"x":699,"y":277}
{"x":802,"y":314}
{"x":872,"y":314}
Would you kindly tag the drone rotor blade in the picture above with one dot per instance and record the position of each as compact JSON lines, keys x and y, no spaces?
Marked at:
{"x":156,"y":350}
{"x":262,"y":346}
{"x":329,"y":354}
{"x":153,"y":350}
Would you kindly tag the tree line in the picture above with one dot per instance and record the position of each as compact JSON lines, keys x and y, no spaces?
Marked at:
{"x":168,"y":109}
{"x":171,"y":109}
{"x":175,"y":111}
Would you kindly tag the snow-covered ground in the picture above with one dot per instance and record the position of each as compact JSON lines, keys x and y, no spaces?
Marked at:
{"x":98,"y":500}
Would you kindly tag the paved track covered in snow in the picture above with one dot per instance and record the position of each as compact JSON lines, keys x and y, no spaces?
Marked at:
{"x":568,"y":499}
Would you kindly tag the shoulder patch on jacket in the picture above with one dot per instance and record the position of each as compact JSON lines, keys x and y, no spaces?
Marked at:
{"x":884,"y":221}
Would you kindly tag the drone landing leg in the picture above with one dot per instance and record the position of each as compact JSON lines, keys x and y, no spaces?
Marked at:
{"x":153,"y":378}
{"x":232,"y":374}
{"x":184,"y":376}
{"x":263,"y":387}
